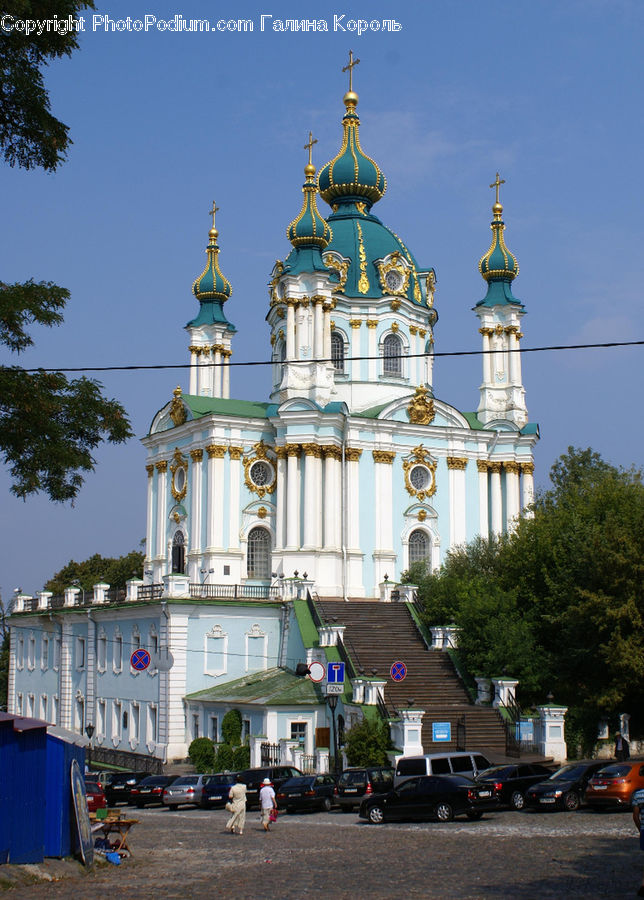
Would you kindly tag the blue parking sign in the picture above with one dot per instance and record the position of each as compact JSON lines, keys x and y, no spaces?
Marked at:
{"x":335,"y":673}
{"x":441,"y":731}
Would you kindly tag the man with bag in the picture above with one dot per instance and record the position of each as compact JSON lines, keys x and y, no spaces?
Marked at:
{"x":267,"y":804}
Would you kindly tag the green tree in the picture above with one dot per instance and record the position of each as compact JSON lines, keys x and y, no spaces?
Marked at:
{"x":366,"y":743}
{"x":49,"y":425}
{"x":202,"y":754}
{"x":231,"y":727}
{"x":115,"y":571}
{"x":224,"y":758}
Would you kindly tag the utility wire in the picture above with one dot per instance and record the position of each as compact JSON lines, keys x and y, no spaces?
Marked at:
{"x":281,"y":362}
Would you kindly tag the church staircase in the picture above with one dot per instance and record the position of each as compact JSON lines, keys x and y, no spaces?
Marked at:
{"x":379,"y":634}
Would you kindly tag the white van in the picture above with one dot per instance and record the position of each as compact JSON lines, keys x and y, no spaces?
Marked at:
{"x":458,"y":763}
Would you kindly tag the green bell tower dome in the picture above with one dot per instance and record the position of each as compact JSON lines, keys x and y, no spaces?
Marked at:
{"x":498,"y":266}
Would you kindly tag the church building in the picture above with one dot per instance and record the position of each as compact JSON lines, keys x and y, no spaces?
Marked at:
{"x":345,"y":472}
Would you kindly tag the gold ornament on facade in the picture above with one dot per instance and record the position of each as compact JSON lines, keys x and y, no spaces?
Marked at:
{"x":383,"y":456}
{"x":363,"y":283}
{"x":262,"y":512}
{"x":361,"y":207}
{"x":196,"y":455}
{"x":236,"y":452}
{"x":279,"y":312}
{"x":352,"y":454}
{"x":422,"y":515}
{"x":217,"y":348}
{"x":293,"y":449}
{"x":395,"y":305}
{"x":482,"y":465}
{"x":511,"y":466}
{"x":422,"y":332}
{"x":395,"y":326}
{"x":456,"y":462}
{"x":494,"y":467}
{"x":413,"y":329}
{"x":355,"y":323}
{"x":176,"y":517}
{"x":527,"y":467}
{"x":260,"y":454}
{"x":498,"y":329}
{"x":486,"y":332}
{"x":150,"y":470}
{"x":421,"y":407}
{"x":372,"y":323}
{"x":341,"y":266}
{"x":216,"y":451}
{"x":162,"y":466}
{"x":179,"y":469}
{"x":312,"y":450}
{"x":331,"y":452}
{"x":178,"y":412}
{"x":420,"y":457}
{"x":430,"y":287}
{"x":397,"y":264}
{"x":280,"y":334}
{"x":273,"y":339}
{"x":280,"y":452}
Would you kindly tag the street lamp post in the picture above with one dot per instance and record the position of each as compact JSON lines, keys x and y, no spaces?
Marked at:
{"x":89,"y":731}
{"x":332,"y":700}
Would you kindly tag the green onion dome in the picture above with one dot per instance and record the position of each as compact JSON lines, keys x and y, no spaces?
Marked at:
{"x":309,"y":229}
{"x":498,"y":263}
{"x":351,"y":175}
{"x":212,"y":284}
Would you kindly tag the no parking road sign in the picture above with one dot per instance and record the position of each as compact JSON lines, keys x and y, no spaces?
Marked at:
{"x":140,"y":659}
{"x":398,"y":671}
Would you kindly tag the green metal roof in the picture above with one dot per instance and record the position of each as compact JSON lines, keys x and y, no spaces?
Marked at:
{"x":204,"y":406}
{"x":273,"y":687}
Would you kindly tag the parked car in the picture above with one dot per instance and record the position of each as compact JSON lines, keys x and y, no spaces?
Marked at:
{"x":565,"y":787}
{"x":430,"y":797}
{"x":253,"y":778}
{"x":118,"y":788}
{"x":359,"y":782}
{"x":215,"y":791}
{"x":614,"y":785}
{"x":307,"y":792}
{"x":187,"y":789}
{"x":95,"y":794}
{"x":511,"y":782}
{"x":150,"y":790}
{"x":460,"y":762}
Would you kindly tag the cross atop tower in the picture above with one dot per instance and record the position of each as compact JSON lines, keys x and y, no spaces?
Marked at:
{"x":215,"y":209}
{"x":497,"y":184}
{"x":352,"y":62}
{"x":309,"y":146}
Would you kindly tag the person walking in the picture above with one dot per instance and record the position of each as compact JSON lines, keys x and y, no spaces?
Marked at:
{"x":267,"y":802}
{"x":622,"y":749}
{"x":237,"y":806}
{"x":638,"y":818}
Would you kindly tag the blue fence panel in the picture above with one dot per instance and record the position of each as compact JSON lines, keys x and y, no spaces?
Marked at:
{"x":60,"y":824}
{"x":22,"y":791}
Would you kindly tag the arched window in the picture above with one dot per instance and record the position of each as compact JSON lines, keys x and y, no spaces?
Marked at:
{"x":337,"y":352}
{"x":392,"y":355}
{"x":418,"y":547}
{"x":259,"y":553}
{"x":178,"y":554}
{"x":281,"y":355}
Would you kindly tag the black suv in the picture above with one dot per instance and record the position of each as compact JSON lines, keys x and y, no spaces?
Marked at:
{"x":117,"y":790}
{"x":357,"y":783}
{"x":253,"y":779}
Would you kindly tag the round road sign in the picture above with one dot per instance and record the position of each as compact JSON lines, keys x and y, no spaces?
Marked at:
{"x":317,"y":671}
{"x":398,"y":671}
{"x":140,"y":659}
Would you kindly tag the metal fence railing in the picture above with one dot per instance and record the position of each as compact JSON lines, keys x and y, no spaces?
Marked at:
{"x":235,"y":591}
{"x":149,"y":592}
{"x":308,"y":764}
{"x":133,"y":762}
{"x":269,"y":754}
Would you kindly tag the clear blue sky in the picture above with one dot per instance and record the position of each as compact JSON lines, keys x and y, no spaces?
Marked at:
{"x":548,"y":93}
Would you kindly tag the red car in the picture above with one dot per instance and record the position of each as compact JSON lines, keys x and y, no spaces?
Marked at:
{"x":95,"y":796}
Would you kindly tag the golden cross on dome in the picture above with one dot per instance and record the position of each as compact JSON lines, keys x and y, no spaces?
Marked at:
{"x":215,"y":209}
{"x":497,"y":184}
{"x":309,"y":146}
{"x":352,"y":62}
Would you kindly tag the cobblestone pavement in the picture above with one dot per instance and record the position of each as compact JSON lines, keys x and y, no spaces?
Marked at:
{"x":334,"y":855}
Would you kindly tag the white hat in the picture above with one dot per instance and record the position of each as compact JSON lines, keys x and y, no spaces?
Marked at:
{"x":266,"y":781}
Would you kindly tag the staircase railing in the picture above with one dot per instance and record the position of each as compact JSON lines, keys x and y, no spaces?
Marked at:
{"x":315,"y":615}
{"x":346,"y":658}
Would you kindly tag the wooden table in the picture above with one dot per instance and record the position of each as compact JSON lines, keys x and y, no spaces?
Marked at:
{"x":115,"y":825}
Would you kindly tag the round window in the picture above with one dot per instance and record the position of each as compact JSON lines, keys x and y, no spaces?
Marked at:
{"x":261,"y":474}
{"x":180,"y":479}
{"x":393,"y":280}
{"x":419,"y":478}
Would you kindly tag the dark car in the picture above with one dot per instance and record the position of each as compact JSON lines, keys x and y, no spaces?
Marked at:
{"x":117,"y":790}
{"x":430,"y":797}
{"x":511,"y":782}
{"x":565,"y":788}
{"x":215,"y":791}
{"x":307,"y":792}
{"x":253,"y":779}
{"x":95,"y":795}
{"x":359,"y":782}
{"x":150,"y":790}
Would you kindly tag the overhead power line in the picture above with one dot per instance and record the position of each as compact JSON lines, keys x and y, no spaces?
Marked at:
{"x":272,"y":362}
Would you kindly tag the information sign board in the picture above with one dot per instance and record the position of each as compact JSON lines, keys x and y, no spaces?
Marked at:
{"x":441,"y":731}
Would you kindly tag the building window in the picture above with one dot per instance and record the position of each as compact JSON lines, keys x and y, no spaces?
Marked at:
{"x":79,"y":714}
{"x":418,"y":547}
{"x":259,"y":553}
{"x":43,"y":707}
{"x":256,"y":649}
{"x":152,"y":724}
{"x":214,"y":729}
{"x":44,"y":664}
{"x":54,"y":709}
{"x":20,"y":652}
{"x":80,"y":653}
{"x":134,"y":723}
{"x":216,"y":648}
{"x":19,"y":704}
{"x":31,"y":652}
{"x":195,"y":726}
{"x":117,"y":663}
{"x":178,"y":554}
{"x":57,"y":650}
{"x":101,"y":723}
{"x":298,"y":733}
{"x":245,"y":731}
{"x":31,"y":705}
{"x":102,"y":652}
{"x":392,"y":355}
{"x":116,"y":721}
{"x":337,"y":352}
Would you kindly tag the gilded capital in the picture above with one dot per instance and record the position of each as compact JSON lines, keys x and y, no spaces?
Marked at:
{"x":331,"y":452}
{"x":162,"y":466}
{"x":293,"y":449}
{"x":280,"y":452}
{"x":236,"y":452}
{"x":486,"y":332}
{"x":226,"y":354}
{"x":527,"y":468}
{"x":353,"y":454}
{"x":150,"y":470}
{"x":217,"y":348}
{"x":372,"y":323}
{"x":196,"y":455}
{"x":383,"y":456}
{"x":456,"y":462}
{"x":413,"y":329}
{"x":312,"y":450}
{"x":422,"y":332}
{"x":355,"y":323}
{"x":511,"y":466}
{"x":482,"y":465}
{"x":216,"y":451}
{"x":494,"y":467}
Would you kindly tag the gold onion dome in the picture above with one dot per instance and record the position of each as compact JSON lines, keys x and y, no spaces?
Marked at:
{"x":309,"y":229}
{"x":498,"y":263}
{"x":351,"y":175}
{"x":212,"y":284}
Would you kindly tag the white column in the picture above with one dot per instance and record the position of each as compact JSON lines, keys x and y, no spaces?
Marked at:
{"x":352,"y":456}
{"x":195,"y":495}
{"x":496,"y":497}
{"x":194,"y":362}
{"x":280,"y":499}
{"x":225,"y":374}
{"x":318,"y":327}
{"x":312,"y":496}
{"x":202,"y":372}
{"x":162,"y":495}
{"x":234,"y":480}
{"x":482,"y":466}
{"x":527,"y":468}
{"x":326,"y":352}
{"x":293,"y":498}
{"x":513,"y":501}
{"x":487,"y":356}
{"x":149,"y":521}
{"x":290,"y":330}
{"x":216,"y":453}
{"x":216,"y":370}
{"x":383,"y":497}
{"x":372,"y":352}
{"x":332,"y":507}
{"x":65,"y":675}
{"x":457,"y":516}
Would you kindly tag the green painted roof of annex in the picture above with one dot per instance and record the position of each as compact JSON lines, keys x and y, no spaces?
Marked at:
{"x":272,"y":687}
{"x":498,"y":266}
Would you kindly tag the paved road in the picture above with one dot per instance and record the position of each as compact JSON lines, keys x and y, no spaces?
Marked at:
{"x":522,"y":856}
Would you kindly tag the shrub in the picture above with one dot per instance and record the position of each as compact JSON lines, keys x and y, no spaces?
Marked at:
{"x":202,"y":754}
{"x":224,"y":758}
{"x":241,"y":758}
{"x":231,"y":728}
{"x":366,"y":744}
